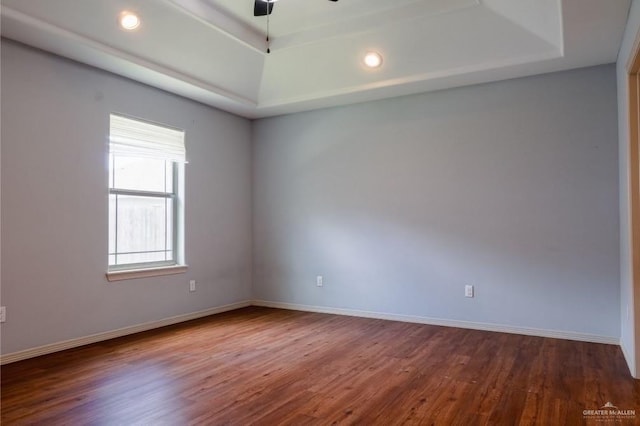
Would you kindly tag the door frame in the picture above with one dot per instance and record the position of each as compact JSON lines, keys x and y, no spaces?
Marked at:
{"x":633,"y":180}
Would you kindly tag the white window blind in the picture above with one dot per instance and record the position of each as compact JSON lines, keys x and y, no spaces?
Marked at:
{"x":133,"y":138}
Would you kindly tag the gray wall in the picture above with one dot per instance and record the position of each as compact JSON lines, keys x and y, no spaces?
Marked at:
{"x":629,"y":297}
{"x":55,"y":118}
{"x":510,"y":186}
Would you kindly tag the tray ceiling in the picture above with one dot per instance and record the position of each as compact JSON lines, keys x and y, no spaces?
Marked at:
{"x":214,"y":51}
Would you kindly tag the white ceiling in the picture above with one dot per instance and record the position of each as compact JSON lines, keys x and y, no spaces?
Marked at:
{"x":214,"y":51}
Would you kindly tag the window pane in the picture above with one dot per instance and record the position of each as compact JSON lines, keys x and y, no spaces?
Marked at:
{"x":170,"y":223}
{"x":141,"y":225}
{"x":110,"y":170}
{"x":142,"y":174}
{"x":169,"y":168}
{"x":124,"y":259}
{"x":112,"y":228}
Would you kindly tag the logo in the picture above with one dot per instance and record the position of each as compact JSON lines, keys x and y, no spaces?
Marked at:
{"x":608,"y":406}
{"x":610,"y":413}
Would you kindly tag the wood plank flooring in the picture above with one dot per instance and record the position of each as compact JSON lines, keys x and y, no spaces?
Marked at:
{"x":270,"y":367}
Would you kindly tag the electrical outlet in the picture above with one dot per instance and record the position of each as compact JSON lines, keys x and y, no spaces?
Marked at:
{"x":319,"y":280}
{"x":468,"y":291}
{"x":3,"y":313}
{"x":192,"y":285}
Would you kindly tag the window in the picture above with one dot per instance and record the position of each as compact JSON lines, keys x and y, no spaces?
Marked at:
{"x":146,"y":177}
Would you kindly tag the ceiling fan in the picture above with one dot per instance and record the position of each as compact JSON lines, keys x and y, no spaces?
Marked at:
{"x":265,"y":7}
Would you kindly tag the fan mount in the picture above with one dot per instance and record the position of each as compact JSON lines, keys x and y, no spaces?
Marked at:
{"x":265,"y":7}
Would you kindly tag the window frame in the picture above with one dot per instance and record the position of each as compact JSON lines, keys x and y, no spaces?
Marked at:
{"x":173,"y":196}
{"x":175,"y":265}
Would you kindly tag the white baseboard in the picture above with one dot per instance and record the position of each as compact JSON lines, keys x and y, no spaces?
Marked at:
{"x":99,"y":337}
{"x":582,"y":337}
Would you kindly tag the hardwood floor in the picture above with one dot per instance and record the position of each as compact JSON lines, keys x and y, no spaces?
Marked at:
{"x":268,"y":366}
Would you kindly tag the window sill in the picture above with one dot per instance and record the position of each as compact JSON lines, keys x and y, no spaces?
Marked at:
{"x":130,"y":274}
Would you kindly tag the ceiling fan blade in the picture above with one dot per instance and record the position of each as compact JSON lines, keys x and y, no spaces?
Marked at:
{"x":262,"y":8}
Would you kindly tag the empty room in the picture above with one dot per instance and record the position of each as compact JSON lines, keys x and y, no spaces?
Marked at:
{"x":316,"y":212}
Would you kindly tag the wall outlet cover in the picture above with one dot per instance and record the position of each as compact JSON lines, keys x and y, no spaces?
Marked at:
{"x":468,"y":291}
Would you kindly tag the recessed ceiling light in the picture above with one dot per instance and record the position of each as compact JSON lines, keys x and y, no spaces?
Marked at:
{"x":372,"y":59}
{"x":129,"y":20}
